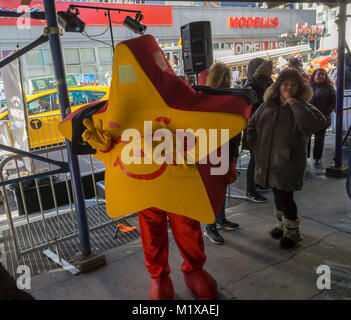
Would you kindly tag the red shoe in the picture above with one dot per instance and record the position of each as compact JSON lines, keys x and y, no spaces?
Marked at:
{"x":201,"y":285}
{"x":161,"y":289}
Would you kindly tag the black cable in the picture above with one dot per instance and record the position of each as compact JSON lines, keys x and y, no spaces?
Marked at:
{"x":86,"y":35}
{"x":97,"y":35}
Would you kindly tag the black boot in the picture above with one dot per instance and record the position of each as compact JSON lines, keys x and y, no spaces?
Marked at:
{"x":286,"y":243}
{"x":291,"y":233}
{"x":276,"y":233}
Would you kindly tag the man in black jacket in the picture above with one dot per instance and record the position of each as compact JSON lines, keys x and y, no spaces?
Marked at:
{"x":259,"y":79}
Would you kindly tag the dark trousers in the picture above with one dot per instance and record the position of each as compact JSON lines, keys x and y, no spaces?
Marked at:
{"x":220,"y":217}
{"x":318,"y":145}
{"x":250,"y":175}
{"x":284,"y":201}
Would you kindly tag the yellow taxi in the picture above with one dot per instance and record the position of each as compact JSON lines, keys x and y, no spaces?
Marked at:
{"x":321,"y":57}
{"x":44,"y":114}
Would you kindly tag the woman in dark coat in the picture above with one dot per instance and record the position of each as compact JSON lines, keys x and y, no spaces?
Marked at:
{"x":324,"y":99}
{"x":278,"y":133}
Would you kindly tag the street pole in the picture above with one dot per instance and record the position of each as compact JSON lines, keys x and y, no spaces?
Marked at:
{"x":86,"y":260}
{"x":340,"y":85}
{"x":339,"y":170}
{"x":62,"y":90}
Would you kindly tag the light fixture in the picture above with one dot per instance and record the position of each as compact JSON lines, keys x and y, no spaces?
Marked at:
{"x":134,"y":24}
{"x":69,"y":21}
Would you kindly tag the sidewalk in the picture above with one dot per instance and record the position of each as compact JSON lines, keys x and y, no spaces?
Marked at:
{"x":250,"y":265}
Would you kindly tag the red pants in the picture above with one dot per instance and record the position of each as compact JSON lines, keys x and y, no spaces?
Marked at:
{"x":154,"y":235}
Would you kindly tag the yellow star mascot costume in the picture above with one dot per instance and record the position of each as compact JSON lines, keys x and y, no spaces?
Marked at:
{"x":148,"y":101}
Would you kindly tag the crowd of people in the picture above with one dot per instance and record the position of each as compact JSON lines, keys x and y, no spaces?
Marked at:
{"x":287,"y":113}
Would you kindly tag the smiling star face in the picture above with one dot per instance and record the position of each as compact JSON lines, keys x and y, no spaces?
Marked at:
{"x":144,"y":89}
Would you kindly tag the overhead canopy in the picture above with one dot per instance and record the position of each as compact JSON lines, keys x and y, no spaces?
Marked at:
{"x":271,"y":54}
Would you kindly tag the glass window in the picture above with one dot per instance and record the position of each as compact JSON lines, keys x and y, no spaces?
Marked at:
{"x":77,"y":97}
{"x":106,"y":73}
{"x":94,"y":95}
{"x":71,"y":56}
{"x":89,"y":76}
{"x":49,"y":71}
{"x":47,"y":57}
{"x":55,"y":101}
{"x":324,"y":53}
{"x":39,"y":105}
{"x":87,"y":55}
{"x":216,"y":46}
{"x":105,"y":55}
{"x":90,"y":70}
{"x":36,"y":72}
{"x":175,"y":58}
{"x":222,"y":45}
{"x":34,"y":58}
{"x":74,"y":69}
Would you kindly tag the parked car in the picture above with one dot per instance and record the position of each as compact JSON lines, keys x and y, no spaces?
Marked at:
{"x":43,"y":112}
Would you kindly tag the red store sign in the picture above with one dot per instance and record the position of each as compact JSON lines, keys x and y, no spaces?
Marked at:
{"x":248,"y":47}
{"x":154,"y":15}
{"x":309,"y":30}
{"x":253,"y":22}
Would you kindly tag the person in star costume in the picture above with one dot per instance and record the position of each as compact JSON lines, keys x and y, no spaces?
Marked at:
{"x":145,"y":88}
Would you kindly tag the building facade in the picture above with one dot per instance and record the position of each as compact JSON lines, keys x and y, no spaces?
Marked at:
{"x":244,"y":29}
{"x":327,"y":17}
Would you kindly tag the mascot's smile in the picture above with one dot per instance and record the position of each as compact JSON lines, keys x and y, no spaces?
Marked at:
{"x":140,"y":153}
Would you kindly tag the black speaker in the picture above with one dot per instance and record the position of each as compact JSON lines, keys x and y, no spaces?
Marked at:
{"x":196,"y":46}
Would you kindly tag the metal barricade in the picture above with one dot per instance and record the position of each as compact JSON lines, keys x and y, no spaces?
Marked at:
{"x":43,"y":132}
{"x":346,"y":113}
{"x":32,"y":223}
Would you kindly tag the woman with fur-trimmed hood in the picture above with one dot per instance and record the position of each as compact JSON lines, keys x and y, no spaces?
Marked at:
{"x":278,"y":133}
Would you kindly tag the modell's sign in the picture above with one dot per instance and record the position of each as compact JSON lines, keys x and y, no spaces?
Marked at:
{"x":306,"y":29}
{"x":253,"y":22}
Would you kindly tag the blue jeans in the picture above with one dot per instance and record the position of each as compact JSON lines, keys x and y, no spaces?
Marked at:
{"x":219,"y":219}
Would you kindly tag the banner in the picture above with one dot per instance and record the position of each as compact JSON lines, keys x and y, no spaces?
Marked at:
{"x":14,"y":102}
{"x":154,"y":15}
{"x":5,"y":137}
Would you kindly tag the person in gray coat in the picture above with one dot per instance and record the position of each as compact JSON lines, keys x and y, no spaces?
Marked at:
{"x":278,"y":133}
